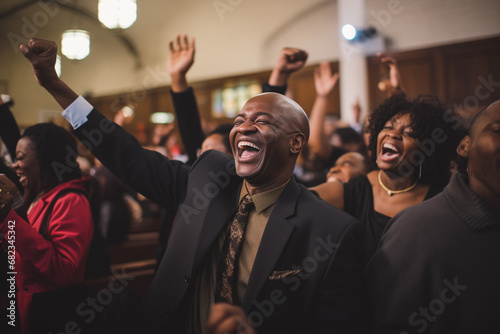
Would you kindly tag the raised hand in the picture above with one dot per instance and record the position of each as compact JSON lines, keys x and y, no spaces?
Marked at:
{"x":228,"y":319}
{"x":42,"y":55}
{"x":394,"y":77}
{"x":180,"y":60}
{"x":356,"y":110}
{"x":289,"y":60}
{"x":7,"y":191}
{"x":324,"y":81}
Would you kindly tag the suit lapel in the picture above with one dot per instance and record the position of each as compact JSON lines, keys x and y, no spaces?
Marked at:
{"x":220,"y":211}
{"x":35,"y":216}
{"x":274,"y":240}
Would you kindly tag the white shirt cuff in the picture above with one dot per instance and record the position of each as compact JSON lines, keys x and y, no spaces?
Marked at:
{"x":77,"y":112}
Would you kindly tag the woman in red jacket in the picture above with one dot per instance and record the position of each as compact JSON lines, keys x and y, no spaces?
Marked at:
{"x":51,"y":246}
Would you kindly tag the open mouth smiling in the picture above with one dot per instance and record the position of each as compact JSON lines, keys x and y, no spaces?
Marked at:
{"x":389,"y":152}
{"x":247,"y":150}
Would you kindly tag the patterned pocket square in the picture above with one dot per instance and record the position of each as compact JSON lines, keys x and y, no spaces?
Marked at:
{"x":279,"y":274}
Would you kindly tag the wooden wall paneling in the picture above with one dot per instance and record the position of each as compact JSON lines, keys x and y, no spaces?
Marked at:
{"x":141,"y":100}
{"x":204,"y":90}
{"x":301,"y":88}
{"x":107,"y":105}
{"x":417,"y":70}
{"x":466,"y":71}
{"x":418,"y":76}
{"x":439,"y":77}
{"x":374,"y":75}
{"x":452,"y":72}
{"x":163,"y":100}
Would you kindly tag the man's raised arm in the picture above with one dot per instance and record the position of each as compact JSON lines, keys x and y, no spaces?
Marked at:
{"x":180,"y":60}
{"x":42,"y":55}
{"x":147,"y":172}
{"x":290,"y":60}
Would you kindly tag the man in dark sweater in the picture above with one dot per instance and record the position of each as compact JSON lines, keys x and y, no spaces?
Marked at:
{"x":436,"y":269}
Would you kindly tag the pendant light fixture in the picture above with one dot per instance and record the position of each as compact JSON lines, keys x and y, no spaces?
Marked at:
{"x":75,"y":44}
{"x":117,"y":14}
{"x":58,"y":65}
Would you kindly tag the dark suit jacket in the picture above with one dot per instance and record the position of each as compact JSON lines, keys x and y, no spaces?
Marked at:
{"x":9,"y":131}
{"x":307,"y":273}
{"x":436,"y":269}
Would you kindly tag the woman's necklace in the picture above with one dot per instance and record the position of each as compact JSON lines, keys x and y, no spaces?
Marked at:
{"x":392,"y":192}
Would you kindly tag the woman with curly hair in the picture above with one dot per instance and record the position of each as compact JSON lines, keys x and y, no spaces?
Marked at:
{"x":48,"y":251}
{"x":412,"y":145}
{"x":452,"y":244}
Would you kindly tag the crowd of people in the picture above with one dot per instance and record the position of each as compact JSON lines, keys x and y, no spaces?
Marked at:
{"x":273,"y":223}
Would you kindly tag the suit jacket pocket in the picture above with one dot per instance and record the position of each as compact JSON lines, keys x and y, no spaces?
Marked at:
{"x":280,"y":274}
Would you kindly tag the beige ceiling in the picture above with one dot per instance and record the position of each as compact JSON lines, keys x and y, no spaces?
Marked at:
{"x":158,"y":21}
{"x":244,"y":38}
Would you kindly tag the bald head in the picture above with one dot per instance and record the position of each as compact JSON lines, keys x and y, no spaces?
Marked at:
{"x":266,"y":139}
{"x":293,"y":118}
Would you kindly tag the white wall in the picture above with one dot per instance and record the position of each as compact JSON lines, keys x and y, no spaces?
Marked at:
{"x":244,"y":39}
{"x":417,"y":24}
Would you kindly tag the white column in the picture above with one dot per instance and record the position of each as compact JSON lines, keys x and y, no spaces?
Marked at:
{"x":352,"y":68}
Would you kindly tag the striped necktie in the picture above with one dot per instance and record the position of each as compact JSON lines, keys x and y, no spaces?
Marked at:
{"x":227,"y":271}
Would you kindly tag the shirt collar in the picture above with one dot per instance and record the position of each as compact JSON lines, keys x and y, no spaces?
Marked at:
{"x":264,"y":200}
{"x":473,"y":209}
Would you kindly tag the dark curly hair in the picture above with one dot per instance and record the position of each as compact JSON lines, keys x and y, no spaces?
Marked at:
{"x":55,"y":150}
{"x":428,"y":116}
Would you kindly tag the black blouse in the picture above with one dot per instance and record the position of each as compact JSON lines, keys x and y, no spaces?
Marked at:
{"x":358,"y":202}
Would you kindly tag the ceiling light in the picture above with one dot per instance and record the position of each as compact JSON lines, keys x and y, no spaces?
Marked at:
{"x":117,"y":14}
{"x":58,"y":65}
{"x":75,"y":44}
{"x":349,"y":32}
{"x":162,"y":118}
{"x":128,"y":111}
{"x":354,"y":35}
